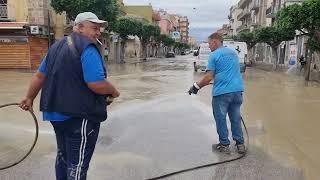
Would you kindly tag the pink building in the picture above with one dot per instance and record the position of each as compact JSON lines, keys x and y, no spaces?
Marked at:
{"x":166,"y":24}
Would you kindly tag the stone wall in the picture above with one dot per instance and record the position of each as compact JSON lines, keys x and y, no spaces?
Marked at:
{"x":38,"y":12}
{"x":315,"y":67}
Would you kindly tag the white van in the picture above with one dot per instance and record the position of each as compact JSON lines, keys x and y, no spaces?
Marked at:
{"x":202,"y":56}
{"x":241,"y":49}
{"x":201,"y":60}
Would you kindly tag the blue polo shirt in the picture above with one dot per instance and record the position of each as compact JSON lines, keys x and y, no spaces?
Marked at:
{"x":92,"y":66}
{"x":225,"y":64}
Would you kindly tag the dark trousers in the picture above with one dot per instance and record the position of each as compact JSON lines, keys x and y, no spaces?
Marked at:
{"x":76,"y":140}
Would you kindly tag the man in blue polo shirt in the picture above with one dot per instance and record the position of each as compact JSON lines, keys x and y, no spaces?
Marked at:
{"x":74,"y":86}
{"x":223,"y":66}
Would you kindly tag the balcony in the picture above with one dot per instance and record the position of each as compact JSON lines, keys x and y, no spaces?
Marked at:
{"x":243,"y":14}
{"x":271,"y":12}
{"x":185,"y":24}
{"x":254,"y":24}
{"x":255,"y":5}
{"x":156,"y":16}
{"x":242,"y":4}
{"x":3,"y":11}
{"x":242,"y":28}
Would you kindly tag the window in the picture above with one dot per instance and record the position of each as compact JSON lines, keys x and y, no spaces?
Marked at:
{"x":3,"y":9}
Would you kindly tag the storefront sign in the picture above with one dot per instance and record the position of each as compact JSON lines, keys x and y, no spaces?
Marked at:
{"x":13,"y":39}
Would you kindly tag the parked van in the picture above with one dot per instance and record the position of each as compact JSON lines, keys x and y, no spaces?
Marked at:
{"x":201,"y":60}
{"x":241,"y":49}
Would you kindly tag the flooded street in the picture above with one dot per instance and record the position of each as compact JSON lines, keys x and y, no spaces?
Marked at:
{"x":155,"y":127}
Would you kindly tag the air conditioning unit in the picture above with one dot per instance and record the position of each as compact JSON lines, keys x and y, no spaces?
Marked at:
{"x":34,"y":29}
{"x":43,"y":30}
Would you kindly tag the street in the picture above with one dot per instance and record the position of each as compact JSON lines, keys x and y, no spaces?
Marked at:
{"x":155,"y":127}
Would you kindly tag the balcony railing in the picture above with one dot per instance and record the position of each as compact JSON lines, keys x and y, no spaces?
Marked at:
{"x":242,"y":3}
{"x":271,"y":12}
{"x":243,"y":14}
{"x":255,"y":5}
{"x":3,"y":11}
{"x":184,"y":24}
{"x":243,"y":27}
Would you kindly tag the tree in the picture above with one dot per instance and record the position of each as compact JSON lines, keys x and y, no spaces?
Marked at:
{"x":248,"y":37}
{"x":178,"y":46}
{"x":290,"y":18}
{"x":273,"y":36}
{"x":147,"y":32}
{"x":230,"y":37}
{"x":155,"y":43}
{"x":306,"y":19}
{"x":126,"y":26}
{"x":159,"y":44}
{"x":186,"y":46}
{"x":167,"y":41}
{"x":105,"y":9}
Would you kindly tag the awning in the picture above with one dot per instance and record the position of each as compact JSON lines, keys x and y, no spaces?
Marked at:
{"x":12,"y":25}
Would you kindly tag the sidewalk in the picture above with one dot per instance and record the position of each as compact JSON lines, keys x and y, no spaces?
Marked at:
{"x":314,"y":74}
{"x":269,"y":66}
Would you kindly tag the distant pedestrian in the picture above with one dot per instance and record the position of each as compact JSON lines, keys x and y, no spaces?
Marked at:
{"x":303,"y":62}
{"x":256,"y":57}
{"x":106,"y":54}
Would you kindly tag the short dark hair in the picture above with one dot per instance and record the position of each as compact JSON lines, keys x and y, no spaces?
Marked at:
{"x":216,"y":36}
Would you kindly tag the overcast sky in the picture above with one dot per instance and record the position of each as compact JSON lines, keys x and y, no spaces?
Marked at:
{"x":205,"y":16}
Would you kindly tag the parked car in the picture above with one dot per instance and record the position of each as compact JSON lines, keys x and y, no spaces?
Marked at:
{"x":170,"y":54}
{"x":183,"y":53}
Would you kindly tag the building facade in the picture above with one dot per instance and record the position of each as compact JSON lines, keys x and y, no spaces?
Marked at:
{"x":24,"y":32}
{"x":143,"y":11}
{"x":184,"y":28}
{"x":233,"y":20}
{"x":166,"y":24}
{"x":259,"y":13}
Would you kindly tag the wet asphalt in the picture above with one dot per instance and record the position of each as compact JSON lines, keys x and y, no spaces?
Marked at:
{"x":155,"y":127}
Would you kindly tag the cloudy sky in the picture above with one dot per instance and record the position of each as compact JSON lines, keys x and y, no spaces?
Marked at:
{"x":205,"y":16}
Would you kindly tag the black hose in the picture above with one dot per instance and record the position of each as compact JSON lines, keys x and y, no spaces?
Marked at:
{"x":207,"y":165}
{"x":35,"y":138}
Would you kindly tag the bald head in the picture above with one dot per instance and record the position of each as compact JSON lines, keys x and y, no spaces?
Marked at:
{"x":215,"y":40}
{"x":216,"y":36}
